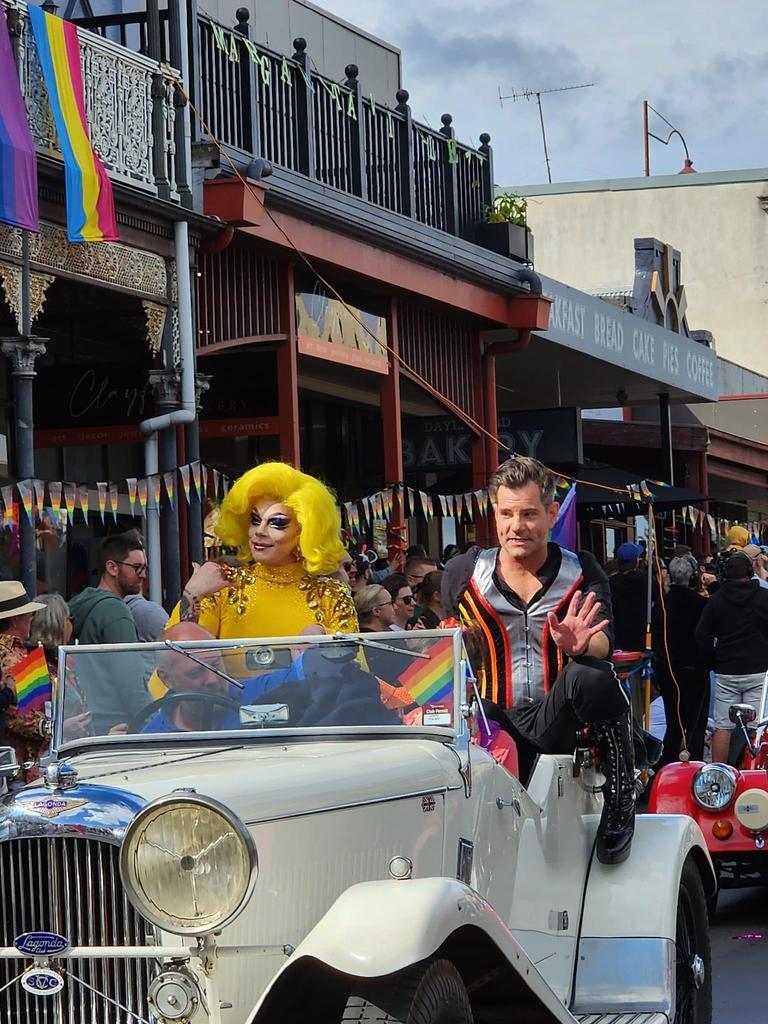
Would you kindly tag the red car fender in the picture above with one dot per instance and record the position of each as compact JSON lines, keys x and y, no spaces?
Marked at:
{"x":671,"y":790}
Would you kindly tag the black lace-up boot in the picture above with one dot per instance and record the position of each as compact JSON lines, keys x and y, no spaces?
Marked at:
{"x":617,"y":822}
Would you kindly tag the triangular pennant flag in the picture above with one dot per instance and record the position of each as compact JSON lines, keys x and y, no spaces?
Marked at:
{"x":82,"y":497}
{"x":468,"y":506}
{"x":101,"y":490}
{"x":196,"y":476}
{"x":69,"y":501}
{"x":205,"y":476}
{"x":7,"y":493}
{"x":141,"y":491}
{"x":185,"y":481}
{"x":443,"y":503}
{"x":26,"y":494}
{"x":226,"y":483}
{"x":39,"y":487}
{"x":113,"y":499}
{"x":132,"y":491}
{"x":169,"y":479}
{"x":154,"y":483}
{"x":411,"y":508}
{"x":54,"y":494}
{"x":216,"y":479}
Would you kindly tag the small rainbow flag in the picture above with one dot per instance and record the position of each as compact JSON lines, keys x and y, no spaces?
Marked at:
{"x":90,"y":204}
{"x":432,"y":680}
{"x":33,"y":682}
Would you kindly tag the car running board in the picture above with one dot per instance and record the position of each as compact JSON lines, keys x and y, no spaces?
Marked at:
{"x":622,"y":1018}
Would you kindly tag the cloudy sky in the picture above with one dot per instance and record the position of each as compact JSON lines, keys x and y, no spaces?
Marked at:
{"x":703,"y":64}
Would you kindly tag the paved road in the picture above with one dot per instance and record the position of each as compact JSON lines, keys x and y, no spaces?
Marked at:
{"x":740,"y":964}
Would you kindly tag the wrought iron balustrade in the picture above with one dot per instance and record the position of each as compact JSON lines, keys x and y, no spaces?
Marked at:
{"x":260,"y":103}
{"x":129,"y":103}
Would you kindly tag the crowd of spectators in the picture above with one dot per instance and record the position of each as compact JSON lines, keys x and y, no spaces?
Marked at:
{"x":709,"y":637}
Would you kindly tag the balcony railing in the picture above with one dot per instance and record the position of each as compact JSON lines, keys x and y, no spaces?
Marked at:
{"x":129,"y":103}
{"x":258,"y":102}
{"x":261,"y":103}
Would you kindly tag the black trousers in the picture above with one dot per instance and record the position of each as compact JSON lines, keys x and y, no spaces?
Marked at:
{"x":587,"y":690}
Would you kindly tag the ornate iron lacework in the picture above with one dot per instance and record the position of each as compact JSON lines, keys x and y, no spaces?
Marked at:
{"x":112,"y":263}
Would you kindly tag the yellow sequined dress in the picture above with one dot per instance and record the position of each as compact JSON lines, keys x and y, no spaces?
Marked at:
{"x":279,"y":601}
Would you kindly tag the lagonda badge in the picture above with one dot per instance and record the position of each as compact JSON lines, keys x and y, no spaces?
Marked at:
{"x":42,"y":981}
{"x":41,"y":943}
{"x":50,"y":806}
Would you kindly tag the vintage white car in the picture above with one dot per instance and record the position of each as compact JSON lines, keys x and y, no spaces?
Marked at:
{"x":302,"y":830}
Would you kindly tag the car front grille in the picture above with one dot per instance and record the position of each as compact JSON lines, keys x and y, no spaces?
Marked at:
{"x":72,"y":886}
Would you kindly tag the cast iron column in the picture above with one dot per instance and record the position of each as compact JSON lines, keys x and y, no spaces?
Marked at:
{"x":192,"y":437}
{"x":165,"y":385}
{"x":665,"y":422}
{"x":23,"y":353}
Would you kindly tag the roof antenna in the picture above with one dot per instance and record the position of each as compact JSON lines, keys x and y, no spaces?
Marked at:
{"x":528,"y":94}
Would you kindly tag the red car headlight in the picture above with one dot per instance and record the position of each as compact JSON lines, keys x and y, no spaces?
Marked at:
{"x":714,"y":786}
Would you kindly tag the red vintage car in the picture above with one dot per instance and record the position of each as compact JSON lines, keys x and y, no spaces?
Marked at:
{"x":729,"y":803}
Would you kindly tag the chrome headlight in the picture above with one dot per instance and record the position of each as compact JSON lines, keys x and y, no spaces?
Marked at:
{"x":714,"y":786}
{"x":188,"y":864}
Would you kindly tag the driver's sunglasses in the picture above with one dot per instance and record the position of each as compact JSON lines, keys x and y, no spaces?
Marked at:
{"x":140,"y":568}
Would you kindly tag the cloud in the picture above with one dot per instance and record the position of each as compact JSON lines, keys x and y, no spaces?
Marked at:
{"x":703,"y":67}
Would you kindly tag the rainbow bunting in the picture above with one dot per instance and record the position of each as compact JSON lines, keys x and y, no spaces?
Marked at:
{"x":113,"y":499}
{"x":141,"y":487}
{"x":90,"y":204}
{"x":33,"y":682}
{"x":169,"y":479}
{"x":101,"y":490}
{"x":18,"y":163}
{"x":184,"y":470}
{"x":429,"y":681}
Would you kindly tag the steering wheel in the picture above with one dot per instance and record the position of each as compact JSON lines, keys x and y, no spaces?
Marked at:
{"x":171,"y":699}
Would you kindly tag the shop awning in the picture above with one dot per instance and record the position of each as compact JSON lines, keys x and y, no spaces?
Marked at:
{"x":592,"y":497}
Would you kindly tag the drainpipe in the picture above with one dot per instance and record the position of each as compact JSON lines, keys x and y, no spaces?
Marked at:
{"x":186,"y":414}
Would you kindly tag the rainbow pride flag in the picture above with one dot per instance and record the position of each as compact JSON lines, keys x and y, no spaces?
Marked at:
{"x":33,"y":683}
{"x":429,"y":681}
{"x":18,"y":163}
{"x":90,"y":204}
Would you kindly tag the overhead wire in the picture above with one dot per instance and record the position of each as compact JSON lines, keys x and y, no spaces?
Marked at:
{"x":428,"y":387}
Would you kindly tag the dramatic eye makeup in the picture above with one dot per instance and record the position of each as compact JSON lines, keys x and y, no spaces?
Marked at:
{"x":278,"y":521}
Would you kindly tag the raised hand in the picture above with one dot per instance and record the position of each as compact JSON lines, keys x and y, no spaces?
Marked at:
{"x":573,"y":633}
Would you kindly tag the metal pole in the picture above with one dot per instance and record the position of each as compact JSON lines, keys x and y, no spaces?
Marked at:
{"x":153,"y":524}
{"x":646,"y":142}
{"x":544,"y":137}
{"x":665,"y":422}
{"x":649,"y":611}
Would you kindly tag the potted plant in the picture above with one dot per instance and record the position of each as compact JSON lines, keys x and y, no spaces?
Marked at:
{"x":505,"y":230}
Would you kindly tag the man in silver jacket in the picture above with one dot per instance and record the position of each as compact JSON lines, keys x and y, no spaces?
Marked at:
{"x":544,"y":616}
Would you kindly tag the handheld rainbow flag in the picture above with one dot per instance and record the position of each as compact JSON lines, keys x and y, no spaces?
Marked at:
{"x":432,"y":680}
{"x":33,"y":683}
{"x":90,"y":205}
{"x":18,"y":163}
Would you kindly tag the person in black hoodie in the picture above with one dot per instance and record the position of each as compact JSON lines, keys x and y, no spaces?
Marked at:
{"x":683,"y":678}
{"x":733,"y":632}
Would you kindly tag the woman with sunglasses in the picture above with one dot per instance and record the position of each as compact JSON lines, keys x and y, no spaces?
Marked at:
{"x":403,"y":601}
{"x":286,"y":528}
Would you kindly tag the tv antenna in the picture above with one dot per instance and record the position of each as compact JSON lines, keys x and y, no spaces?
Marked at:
{"x":529,"y":94}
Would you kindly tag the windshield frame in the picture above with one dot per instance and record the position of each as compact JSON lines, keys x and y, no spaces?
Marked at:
{"x":241,"y":737}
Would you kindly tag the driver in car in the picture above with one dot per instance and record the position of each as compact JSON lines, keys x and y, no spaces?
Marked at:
{"x":182,"y":675}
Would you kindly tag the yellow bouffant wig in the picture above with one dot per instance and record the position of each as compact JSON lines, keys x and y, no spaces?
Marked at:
{"x":311,"y":502}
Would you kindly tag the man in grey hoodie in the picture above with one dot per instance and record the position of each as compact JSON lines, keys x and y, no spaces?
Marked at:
{"x":114,"y":684}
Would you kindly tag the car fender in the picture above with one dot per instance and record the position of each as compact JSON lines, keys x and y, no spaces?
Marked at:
{"x":379,"y":928}
{"x":671,"y":790}
{"x":627,"y":938}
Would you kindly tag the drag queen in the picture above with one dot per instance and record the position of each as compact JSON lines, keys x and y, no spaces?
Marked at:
{"x":286,"y":527}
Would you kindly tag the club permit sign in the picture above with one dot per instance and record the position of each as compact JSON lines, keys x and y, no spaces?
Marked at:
{"x":600,"y":329}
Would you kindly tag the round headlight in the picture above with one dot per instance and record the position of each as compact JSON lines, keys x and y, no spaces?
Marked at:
{"x":714,"y":786}
{"x":188,"y":864}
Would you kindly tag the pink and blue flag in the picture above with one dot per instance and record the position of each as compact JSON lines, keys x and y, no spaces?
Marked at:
{"x":564,"y":530}
{"x":18,"y":162}
{"x":90,"y":204}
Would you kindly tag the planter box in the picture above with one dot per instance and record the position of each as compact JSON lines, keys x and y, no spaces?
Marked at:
{"x":510,"y":240}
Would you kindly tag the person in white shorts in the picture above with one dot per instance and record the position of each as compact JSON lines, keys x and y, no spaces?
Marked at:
{"x":733,"y":630}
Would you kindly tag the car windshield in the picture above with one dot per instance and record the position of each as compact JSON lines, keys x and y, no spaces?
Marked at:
{"x":172,"y":688}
